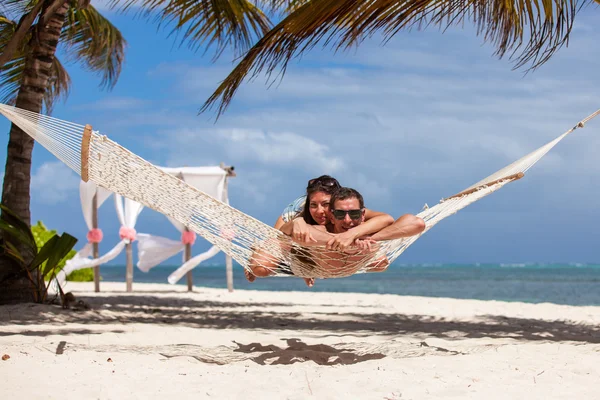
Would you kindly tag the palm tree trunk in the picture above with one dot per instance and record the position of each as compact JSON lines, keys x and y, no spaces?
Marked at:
{"x":17,"y":173}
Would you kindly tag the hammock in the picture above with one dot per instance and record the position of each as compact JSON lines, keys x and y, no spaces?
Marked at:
{"x":247,"y":240}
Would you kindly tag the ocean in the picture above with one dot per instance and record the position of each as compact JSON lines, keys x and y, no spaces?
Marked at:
{"x":571,"y":284}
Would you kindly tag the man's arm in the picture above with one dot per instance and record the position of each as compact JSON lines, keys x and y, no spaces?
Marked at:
{"x":405,"y":226}
{"x":374,"y":222}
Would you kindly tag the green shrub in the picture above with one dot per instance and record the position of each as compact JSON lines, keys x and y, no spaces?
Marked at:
{"x":38,"y":264}
{"x":41,"y":234}
{"x":81,"y":275}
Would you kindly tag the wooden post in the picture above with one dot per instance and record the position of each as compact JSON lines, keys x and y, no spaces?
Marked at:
{"x":96,"y":251}
{"x":187,"y":256}
{"x":228,"y":260}
{"x":229,"y":273}
{"x":129,"y":268}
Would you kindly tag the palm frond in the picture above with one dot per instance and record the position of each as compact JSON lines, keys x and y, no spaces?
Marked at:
{"x":59,"y":85}
{"x":11,"y":76}
{"x":28,"y":12}
{"x":91,"y":39}
{"x":531,"y":31}
{"x":235,"y":24}
{"x":11,"y":72}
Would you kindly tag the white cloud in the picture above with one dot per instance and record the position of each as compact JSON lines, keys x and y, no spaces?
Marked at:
{"x":270,"y":149}
{"x":53,"y":182}
{"x":280,"y":149}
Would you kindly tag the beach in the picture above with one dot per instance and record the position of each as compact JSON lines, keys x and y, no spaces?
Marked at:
{"x":161,"y":341}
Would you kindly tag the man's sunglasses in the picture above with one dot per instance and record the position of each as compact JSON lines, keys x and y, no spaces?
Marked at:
{"x":341,"y":214}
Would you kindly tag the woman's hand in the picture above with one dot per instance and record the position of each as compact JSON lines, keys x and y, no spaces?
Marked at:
{"x":300,"y":231}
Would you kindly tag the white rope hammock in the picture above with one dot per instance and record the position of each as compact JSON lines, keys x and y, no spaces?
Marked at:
{"x":249,"y":241}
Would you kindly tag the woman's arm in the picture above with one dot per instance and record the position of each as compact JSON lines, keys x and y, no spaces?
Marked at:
{"x":279,"y":223}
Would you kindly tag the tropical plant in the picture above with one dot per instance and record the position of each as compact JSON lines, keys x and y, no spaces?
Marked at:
{"x":530,"y":32}
{"x":32,"y":77}
{"x":39,"y":265}
{"x":42,"y":235}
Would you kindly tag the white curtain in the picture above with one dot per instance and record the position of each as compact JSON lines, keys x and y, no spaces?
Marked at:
{"x":127,"y":212}
{"x":87,"y":191}
{"x":152,"y":250}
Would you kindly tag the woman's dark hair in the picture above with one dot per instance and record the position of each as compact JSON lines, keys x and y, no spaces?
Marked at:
{"x":325,"y":184}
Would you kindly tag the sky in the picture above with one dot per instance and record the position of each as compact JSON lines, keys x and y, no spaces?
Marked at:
{"x":406,"y":123}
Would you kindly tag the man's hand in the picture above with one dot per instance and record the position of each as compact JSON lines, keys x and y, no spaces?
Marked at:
{"x":341,"y":241}
{"x":365,"y":244}
{"x":301,"y":232}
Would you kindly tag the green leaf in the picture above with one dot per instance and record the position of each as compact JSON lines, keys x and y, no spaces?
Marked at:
{"x":14,"y":255}
{"x":12,"y":251}
{"x":19,"y":235}
{"x":63,"y":245}
{"x":14,"y":220}
{"x":44,"y":253}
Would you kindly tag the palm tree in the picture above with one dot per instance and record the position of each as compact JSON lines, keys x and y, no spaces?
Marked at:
{"x":32,"y":77}
{"x":530,"y":32}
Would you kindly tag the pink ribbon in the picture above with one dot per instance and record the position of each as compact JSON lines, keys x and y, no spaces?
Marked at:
{"x":127,"y":233}
{"x":95,"y":235}
{"x":188,"y":237}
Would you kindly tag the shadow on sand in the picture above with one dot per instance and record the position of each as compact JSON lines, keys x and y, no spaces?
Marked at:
{"x":178,"y":311}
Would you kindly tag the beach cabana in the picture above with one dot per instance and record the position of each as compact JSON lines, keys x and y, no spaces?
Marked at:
{"x":154,"y":249}
{"x":92,"y":197}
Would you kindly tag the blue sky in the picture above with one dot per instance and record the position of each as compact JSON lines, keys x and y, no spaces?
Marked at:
{"x":408,"y":123}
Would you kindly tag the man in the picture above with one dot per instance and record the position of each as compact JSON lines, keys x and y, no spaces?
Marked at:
{"x":347,"y":211}
{"x":346,"y":214}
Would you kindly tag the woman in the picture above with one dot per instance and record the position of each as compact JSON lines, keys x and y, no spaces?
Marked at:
{"x":295,"y":220}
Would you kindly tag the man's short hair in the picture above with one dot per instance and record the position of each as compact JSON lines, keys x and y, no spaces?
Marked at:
{"x":345,"y":193}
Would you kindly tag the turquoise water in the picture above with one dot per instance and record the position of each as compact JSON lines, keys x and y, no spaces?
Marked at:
{"x":573,"y":284}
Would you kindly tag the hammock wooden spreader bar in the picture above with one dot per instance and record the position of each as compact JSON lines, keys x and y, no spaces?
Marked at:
{"x":509,"y":178}
{"x":85,"y":152}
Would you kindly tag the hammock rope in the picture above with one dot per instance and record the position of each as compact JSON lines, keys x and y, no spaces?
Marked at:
{"x":247,"y":240}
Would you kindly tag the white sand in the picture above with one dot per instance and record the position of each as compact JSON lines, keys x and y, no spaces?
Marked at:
{"x":163,"y":342}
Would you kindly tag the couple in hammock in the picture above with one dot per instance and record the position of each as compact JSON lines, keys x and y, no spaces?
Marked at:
{"x":334,"y":219}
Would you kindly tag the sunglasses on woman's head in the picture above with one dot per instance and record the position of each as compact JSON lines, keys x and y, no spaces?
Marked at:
{"x":325,"y":182}
{"x":341,"y":214}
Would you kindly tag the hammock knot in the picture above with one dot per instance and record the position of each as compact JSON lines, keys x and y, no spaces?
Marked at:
{"x":188,"y":237}
{"x":95,"y":235}
{"x":126,"y":233}
{"x":581,"y":124}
